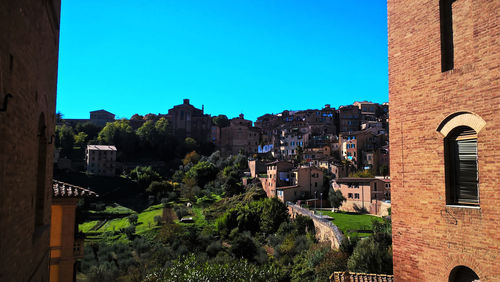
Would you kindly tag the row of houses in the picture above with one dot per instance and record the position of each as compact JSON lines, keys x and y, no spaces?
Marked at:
{"x":291,"y":182}
{"x":357,"y":133}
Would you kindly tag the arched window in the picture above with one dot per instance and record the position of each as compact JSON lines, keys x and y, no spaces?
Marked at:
{"x":460,"y":131}
{"x":41,"y":172}
{"x":463,"y":274}
{"x":461,"y":167}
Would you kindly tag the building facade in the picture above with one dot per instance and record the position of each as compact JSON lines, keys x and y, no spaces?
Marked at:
{"x":187,"y":121}
{"x":29,"y":43}
{"x":239,"y":137}
{"x":364,"y":194}
{"x":444,"y":139}
{"x":66,"y":246}
{"x":101,"y":159}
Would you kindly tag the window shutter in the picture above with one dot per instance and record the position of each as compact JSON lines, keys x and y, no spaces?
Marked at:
{"x":466,"y":184}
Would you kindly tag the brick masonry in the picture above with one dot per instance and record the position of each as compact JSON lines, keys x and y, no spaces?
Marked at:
{"x":429,"y":238}
{"x":29,"y":40}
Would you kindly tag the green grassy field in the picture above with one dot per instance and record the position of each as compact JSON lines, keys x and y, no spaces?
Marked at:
{"x":349,"y":223}
{"x":145,"y":222}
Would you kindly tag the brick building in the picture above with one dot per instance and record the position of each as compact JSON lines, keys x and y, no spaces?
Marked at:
{"x":278,"y":174}
{"x":349,"y":118}
{"x":364,"y":193}
{"x":305,"y":182}
{"x":187,"y":121}
{"x":239,"y":136}
{"x":29,"y":43}
{"x":359,"y":146}
{"x":444,"y":139}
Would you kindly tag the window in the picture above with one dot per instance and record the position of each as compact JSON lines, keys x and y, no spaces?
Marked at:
{"x":462,"y":181}
{"x":356,"y":196}
{"x":40,"y":193}
{"x":462,"y":273}
{"x":315,"y":184}
{"x":446,"y":21}
{"x":349,"y":195}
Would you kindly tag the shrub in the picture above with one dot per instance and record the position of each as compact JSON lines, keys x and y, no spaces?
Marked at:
{"x":133,"y":218}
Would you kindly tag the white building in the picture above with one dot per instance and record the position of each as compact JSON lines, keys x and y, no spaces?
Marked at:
{"x":101,"y":159}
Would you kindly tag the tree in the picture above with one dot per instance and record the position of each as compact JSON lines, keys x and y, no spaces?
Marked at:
{"x":92,"y":130}
{"x":192,"y":158}
{"x":221,"y":121}
{"x":80,"y":139}
{"x":136,"y":117}
{"x":144,"y":175}
{"x":66,"y":139}
{"x":147,"y":134}
{"x":274,"y":212}
{"x":133,"y":218}
{"x":336,"y":198}
{"x":59,"y":117}
{"x":119,"y":133}
{"x":190,"y":144}
{"x":202,"y":173}
{"x":244,"y":246}
{"x":374,"y":255}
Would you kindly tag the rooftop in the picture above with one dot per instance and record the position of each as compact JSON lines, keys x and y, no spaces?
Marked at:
{"x":101,"y":147}
{"x":64,"y":190}
{"x":287,"y":187}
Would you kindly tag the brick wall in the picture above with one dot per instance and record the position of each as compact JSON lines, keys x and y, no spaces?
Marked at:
{"x":429,"y":238}
{"x":29,"y":40}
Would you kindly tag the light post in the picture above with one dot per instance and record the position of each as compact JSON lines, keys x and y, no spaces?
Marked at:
{"x":315,"y":198}
{"x":321,"y":200}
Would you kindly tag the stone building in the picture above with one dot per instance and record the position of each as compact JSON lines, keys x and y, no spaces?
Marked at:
{"x":66,"y":245}
{"x":239,"y":136}
{"x":291,"y":137}
{"x":99,"y":118}
{"x":101,"y":159}
{"x":364,"y":194}
{"x":278,"y":175}
{"x":187,"y":121}
{"x":29,"y":43}
{"x":359,"y":147}
{"x":306,"y":182}
{"x":349,"y":118}
{"x":444,"y":139}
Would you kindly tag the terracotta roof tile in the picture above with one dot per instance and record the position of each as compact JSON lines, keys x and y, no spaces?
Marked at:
{"x":64,"y":190}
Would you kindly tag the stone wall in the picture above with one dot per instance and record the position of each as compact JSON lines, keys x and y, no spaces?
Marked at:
{"x":430,"y":238}
{"x":29,"y":40}
{"x":325,"y":230}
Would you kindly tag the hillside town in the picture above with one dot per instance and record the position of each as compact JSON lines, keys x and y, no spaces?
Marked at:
{"x":362,"y":192}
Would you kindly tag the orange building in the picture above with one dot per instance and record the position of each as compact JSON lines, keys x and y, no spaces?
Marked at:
{"x":65,"y":244}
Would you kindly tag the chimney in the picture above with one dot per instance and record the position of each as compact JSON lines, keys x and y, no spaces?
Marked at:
{"x":241,"y":116}
{"x":186,"y":101}
{"x":202,"y":109}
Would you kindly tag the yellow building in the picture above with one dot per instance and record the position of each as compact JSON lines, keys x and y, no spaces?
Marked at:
{"x":65,"y":244}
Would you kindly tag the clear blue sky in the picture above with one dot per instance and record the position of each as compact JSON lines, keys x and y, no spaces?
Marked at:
{"x":233,"y":56}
